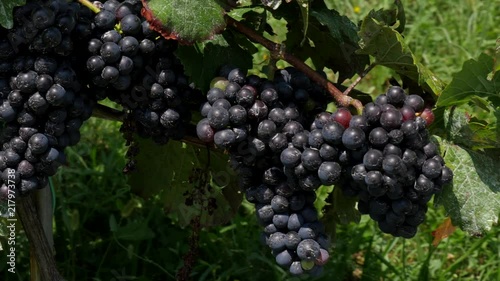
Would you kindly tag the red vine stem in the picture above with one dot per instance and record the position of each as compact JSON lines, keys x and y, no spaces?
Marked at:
{"x":277,"y":50}
{"x":361,"y":76}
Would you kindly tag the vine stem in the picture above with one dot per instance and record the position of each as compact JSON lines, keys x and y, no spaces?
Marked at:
{"x":39,"y":244}
{"x":278,"y":51}
{"x":358,"y":80}
{"x":89,"y":5}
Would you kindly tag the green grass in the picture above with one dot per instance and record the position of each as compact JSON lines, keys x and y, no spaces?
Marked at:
{"x":92,"y":194}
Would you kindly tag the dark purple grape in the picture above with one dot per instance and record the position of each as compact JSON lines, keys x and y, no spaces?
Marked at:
{"x":218,"y":118}
{"x":378,"y":137}
{"x":290,"y":157}
{"x":373,"y":159}
{"x":359,"y":121}
{"x":311,"y":159}
{"x":416,"y":102}
{"x":105,"y":20}
{"x":225,"y":138}
{"x":291,"y":128}
{"x":353,"y":138}
{"x":432,"y":168}
{"x":110,"y":52}
{"x":268,"y":96}
{"x":372,"y":113}
{"x":266,"y":129}
{"x":237,"y":75}
{"x":258,"y":110}
{"x":276,"y":241}
{"x":130,"y":24}
{"x":315,"y":139}
{"x":333,"y":132}
{"x":391,"y":119}
{"x":308,"y":250}
{"x":329,"y":172}
{"x":395,"y":95}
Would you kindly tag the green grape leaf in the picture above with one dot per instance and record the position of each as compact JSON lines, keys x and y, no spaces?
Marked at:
{"x":473,"y":199}
{"x":331,"y":41}
{"x":472,"y":81}
{"x":6,"y":8}
{"x":393,"y":17}
{"x":190,"y":181}
{"x":322,"y":195}
{"x":185,"y":21}
{"x":472,"y":128}
{"x":203,"y":60}
{"x":389,"y":49}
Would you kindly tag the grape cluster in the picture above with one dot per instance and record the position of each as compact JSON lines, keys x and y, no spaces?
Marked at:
{"x":139,"y":71}
{"x":384,"y":156}
{"x":43,"y":104}
{"x":391,"y":163}
{"x":258,"y":121}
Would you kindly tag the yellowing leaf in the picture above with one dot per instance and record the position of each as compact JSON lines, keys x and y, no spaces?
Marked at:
{"x":443,"y":231}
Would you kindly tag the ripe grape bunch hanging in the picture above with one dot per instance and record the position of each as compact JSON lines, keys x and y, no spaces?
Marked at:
{"x":60,"y":60}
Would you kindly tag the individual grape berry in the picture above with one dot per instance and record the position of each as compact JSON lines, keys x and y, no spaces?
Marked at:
{"x":428,"y":116}
{"x":342,"y":116}
{"x":225,"y":138}
{"x":328,"y":152}
{"x":381,"y":100}
{"x":378,"y":137}
{"x":278,"y":142}
{"x":424,"y":185}
{"x":353,"y":138}
{"x":395,"y":95}
{"x":310,"y":159}
{"x":38,"y":143}
{"x":372,"y":113}
{"x":407,"y":112}
{"x":416,"y":102}
{"x":431,"y":168}
{"x":333,"y":133}
{"x":237,"y":75}
{"x":266,"y":129}
{"x":359,"y":121}
{"x":218,"y":118}
{"x":204,"y":131}
{"x":258,"y":110}
{"x":290,"y":157}
{"x":130,"y":24}
{"x":296,"y":268}
{"x":308,"y":250}
{"x":110,"y":52}
{"x":291,"y":128}
{"x":276,"y":241}
{"x":373,"y":159}
{"x":222,"y":103}
{"x":284,"y":258}
{"x":329,"y":172}
{"x":315,"y":139}
{"x":391,"y":119}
